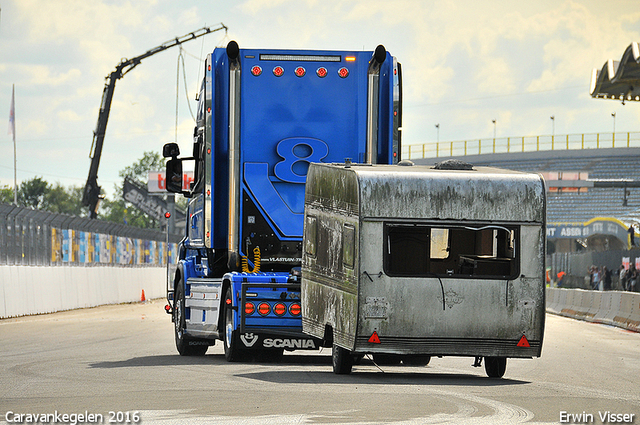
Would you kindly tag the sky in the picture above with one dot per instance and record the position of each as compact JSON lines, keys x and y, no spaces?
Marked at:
{"x":465,"y":64}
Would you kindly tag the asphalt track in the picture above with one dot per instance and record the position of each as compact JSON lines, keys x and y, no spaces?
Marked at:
{"x":122,"y":359}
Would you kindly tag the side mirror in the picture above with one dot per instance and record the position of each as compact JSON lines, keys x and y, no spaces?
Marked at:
{"x":173,"y":175}
{"x":170,"y":150}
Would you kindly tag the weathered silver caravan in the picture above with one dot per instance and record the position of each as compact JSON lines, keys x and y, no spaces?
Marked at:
{"x":409,"y":262}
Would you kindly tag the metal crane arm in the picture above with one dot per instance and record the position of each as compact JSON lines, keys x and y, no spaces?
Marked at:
{"x":91,"y":194}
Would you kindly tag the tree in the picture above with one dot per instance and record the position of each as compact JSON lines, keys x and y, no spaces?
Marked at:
{"x":38,"y":194}
{"x":121,"y":211}
{"x":59,"y":199}
{"x":32,"y":193}
{"x":6,"y":195}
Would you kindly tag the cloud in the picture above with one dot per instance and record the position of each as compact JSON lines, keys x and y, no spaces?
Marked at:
{"x":43,"y":75}
{"x":576,"y":36}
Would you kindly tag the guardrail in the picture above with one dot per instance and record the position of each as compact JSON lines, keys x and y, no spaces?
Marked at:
{"x":615,"y":308}
{"x":522,"y":144}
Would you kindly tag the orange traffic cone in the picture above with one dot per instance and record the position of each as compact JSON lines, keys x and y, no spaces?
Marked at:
{"x":142,"y":298}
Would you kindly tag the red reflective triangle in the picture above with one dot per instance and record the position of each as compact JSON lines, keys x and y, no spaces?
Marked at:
{"x":523,"y":342}
{"x":374,"y":339}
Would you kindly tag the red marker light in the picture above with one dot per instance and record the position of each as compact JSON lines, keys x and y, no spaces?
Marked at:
{"x":278,"y":71}
{"x":167,"y":215}
{"x":300,"y":71}
{"x":264,"y":309}
{"x":249,"y":308}
{"x":343,"y":72}
{"x":523,"y":342}
{"x":295,"y":309}
{"x":256,"y":70}
{"x":279,"y":309}
{"x":322,"y":72}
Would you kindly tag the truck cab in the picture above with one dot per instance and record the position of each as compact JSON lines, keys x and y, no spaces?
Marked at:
{"x":263,"y":117}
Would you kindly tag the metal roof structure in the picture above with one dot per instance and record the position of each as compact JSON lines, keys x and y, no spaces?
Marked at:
{"x":618,"y":80}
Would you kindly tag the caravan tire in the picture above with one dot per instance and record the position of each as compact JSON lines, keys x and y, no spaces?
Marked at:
{"x":495,"y":366}
{"x":342,"y":360}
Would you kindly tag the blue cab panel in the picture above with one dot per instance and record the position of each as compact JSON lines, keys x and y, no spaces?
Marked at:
{"x":263,"y":117}
{"x":294,"y":107}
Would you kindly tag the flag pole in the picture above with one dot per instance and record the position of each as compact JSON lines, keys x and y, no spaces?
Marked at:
{"x":12,"y":128}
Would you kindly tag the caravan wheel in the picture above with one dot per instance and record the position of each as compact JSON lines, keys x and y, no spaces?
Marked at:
{"x":495,"y":366}
{"x":342,"y":360}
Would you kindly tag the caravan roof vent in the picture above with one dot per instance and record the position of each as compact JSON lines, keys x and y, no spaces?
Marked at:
{"x":453,"y":164}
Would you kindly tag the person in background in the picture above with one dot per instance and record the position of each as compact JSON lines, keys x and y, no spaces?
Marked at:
{"x":606,"y":275}
{"x":623,"y":277}
{"x":633,"y":278}
{"x":596,"y":279}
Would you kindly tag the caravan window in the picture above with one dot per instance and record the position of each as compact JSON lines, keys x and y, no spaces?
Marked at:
{"x":348,"y":245}
{"x":480,"y":250}
{"x":310,"y":236}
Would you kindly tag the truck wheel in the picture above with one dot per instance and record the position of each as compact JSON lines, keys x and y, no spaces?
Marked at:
{"x":342,"y":360}
{"x":231,"y":351}
{"x":495,"y":366}
{"x":185,"y":345}
{"x":416,"y":360}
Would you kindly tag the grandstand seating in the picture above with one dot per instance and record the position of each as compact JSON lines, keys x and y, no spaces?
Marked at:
{"x":577,"y":207}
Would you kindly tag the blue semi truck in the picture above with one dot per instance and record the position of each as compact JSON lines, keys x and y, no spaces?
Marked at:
{"x":263,"y":117}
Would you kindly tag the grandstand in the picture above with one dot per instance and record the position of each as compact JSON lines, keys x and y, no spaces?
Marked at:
{"x":600,"y":216}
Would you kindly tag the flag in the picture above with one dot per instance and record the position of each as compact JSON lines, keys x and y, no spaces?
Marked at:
{"x":12,"y":114}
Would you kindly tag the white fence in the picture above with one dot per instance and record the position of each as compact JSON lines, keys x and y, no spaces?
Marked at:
{"x":26,"y":290}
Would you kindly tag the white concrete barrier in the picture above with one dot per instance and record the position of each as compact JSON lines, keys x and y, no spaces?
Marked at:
{"x":633,"y":321}
{"x":604,"y":308}
{"x":593,"y":305}
{"x":616,"y":308}
{"x":553,"y":298}
{"x":629,"y":313}
{"x":26,"y":290}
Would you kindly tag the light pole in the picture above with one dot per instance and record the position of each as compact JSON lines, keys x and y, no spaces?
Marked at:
{"x":613,"y":114}
{"x":494,"y":129}
{"x":553,"y":129}
{"x":438,"y":133}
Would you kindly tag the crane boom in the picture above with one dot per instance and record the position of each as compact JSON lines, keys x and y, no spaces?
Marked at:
{"x":91,"y":194}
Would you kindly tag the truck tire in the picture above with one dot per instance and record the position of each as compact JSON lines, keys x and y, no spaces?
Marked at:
{"x":342,"y":360}
{"x":495,"y":366}
{"x":230,"y":339}
{"x":185,"y":345}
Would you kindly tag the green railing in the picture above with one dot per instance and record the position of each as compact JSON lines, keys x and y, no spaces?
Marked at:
{"x":522,"y":144}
